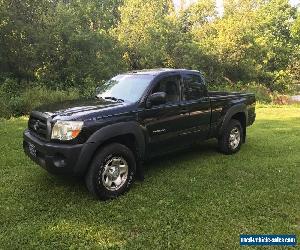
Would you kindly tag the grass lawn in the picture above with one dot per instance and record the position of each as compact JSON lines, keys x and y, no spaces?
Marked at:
{"x":197,"y":199}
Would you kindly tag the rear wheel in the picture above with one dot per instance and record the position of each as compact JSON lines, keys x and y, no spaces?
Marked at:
{"x":231,"y":140}
{"x":112,"y":171}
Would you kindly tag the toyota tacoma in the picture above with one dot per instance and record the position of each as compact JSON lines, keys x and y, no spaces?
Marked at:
{"x":133,"y":117}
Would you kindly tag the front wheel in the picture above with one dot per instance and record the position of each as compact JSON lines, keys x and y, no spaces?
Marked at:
{"x":231,"y":140}
{"x":112,"y":171}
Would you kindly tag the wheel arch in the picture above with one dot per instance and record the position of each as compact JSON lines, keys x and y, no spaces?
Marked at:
{"x":241,"y":117}
{"x":127,"y":133}
{"x":238,"y":112}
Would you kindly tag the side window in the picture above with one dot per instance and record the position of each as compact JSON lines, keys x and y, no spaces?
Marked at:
{"x":169,"y":85}
{"x":193,"y":87}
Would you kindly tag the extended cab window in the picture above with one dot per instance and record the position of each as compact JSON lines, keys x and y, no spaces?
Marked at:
{"x":193,"y":87}
{"x":169,"y":85}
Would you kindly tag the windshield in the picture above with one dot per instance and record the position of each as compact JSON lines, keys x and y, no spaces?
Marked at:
{"x":124,"y":87}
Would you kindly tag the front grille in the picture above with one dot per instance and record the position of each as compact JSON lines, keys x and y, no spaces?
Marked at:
{"x":38,"y":124}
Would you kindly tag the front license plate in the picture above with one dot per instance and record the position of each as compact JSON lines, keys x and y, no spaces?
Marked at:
{"x":32,"y":149}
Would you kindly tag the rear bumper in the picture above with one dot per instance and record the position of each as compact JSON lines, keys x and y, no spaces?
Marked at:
{"x":55,"y":158}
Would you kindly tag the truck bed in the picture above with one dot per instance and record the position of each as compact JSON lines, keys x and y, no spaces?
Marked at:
{"x":221,"y":101}
{"x":227,"y":94}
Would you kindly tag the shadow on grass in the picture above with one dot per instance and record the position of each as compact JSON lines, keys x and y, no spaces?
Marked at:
{"x":202,"y":149}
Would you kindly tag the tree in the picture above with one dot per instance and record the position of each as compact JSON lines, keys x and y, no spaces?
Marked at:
{"x":294,"y":65}
{"x":142,"y":32}
{"x":78,"y":46}
{"x":62,"y":43}
{"x":252,"y":42}
{"x":21,"y":28}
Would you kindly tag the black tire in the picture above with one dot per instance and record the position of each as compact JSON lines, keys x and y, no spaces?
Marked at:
{"x":225,"y":145}
{"x":96,"y":175}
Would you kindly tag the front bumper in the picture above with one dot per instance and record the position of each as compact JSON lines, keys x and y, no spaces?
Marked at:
{"x":54,"y":157}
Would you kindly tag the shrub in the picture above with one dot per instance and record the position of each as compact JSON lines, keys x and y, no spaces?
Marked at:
{"x":88,"y":87}
{"x":262,"y":93}
{"x":28,"y":99}
{"x":12,"y":87}
{"x":5,"y":110}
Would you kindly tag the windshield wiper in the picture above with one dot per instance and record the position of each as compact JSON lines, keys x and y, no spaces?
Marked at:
{"x":114,"y":98}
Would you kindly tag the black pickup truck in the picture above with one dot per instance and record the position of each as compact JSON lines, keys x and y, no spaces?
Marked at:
{"x":134,"y":116}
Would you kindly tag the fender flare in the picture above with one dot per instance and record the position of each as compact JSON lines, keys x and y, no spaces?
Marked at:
{"x":238,"y":108}
{"x":104,"y":134}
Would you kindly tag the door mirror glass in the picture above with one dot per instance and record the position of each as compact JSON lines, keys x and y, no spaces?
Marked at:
{"x":157,"y":98}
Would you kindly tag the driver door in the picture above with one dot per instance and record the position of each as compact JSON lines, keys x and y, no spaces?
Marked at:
{"x":164,"y":123}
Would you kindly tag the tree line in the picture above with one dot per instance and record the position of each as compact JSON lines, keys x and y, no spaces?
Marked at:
{"x":63,"y":44}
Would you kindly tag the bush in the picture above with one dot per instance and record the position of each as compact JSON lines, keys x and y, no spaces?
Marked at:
{"x":5,"y":110}
{"x":17,"y":100}
{"x":12,"y":87}
{"x":262,"y":93}
{"x":19,"y":97}
{"x":88,"y":87}
{"x":16,"y":104}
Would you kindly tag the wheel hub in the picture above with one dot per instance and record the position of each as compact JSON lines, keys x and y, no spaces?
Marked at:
{"x":234,"y":138}
{"x":115,"y":173}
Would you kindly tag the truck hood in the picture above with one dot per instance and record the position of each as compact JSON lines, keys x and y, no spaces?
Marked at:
{"x":84,"y":109}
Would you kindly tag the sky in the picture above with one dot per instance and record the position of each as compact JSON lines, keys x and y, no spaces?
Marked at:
{"x":219,"y":4}
{"x":220,"y":7}
{"x":294,"y":2}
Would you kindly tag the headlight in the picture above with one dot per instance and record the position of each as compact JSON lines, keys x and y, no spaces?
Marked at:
{"x":66,"y":130}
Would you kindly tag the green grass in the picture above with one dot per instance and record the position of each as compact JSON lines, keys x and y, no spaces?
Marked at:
{"x":197,"y":199}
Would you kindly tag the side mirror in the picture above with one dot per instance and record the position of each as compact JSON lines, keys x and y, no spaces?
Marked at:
{"x":156,"y":99}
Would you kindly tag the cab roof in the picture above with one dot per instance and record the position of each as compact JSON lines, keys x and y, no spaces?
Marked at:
{"x":156,"y":72}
